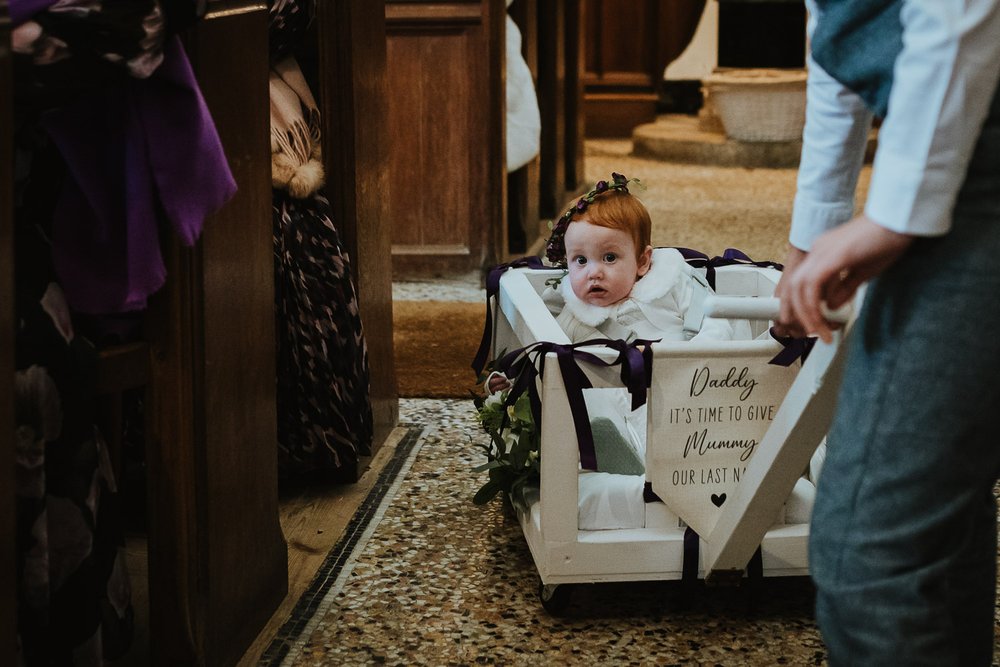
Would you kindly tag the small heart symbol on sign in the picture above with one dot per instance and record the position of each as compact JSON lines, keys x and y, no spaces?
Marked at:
{"x":717,"y":500}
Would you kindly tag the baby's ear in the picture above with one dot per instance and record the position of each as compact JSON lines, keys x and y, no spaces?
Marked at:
{"x":645,"y":261}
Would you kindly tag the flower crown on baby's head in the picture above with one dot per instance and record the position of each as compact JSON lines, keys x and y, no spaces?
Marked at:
{"x":555,"y":248}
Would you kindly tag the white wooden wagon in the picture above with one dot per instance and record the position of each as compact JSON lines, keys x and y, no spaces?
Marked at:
{"x":753,"y":515}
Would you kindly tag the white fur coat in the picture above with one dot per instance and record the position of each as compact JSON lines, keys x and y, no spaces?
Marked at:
{"x":665,"y":304}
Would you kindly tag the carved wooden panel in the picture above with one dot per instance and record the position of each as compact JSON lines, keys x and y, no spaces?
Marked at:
{"x":217,"y":558}
{"x":446,"y":173}
{"x":8,"y":624}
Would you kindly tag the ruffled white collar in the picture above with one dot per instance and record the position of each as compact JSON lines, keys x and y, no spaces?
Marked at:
{"x":665,"y":270}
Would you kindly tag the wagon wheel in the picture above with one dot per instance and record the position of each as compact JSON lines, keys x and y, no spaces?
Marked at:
{"x":554,"y":597}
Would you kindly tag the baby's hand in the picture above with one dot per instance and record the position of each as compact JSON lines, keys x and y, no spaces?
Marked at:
{"x":497,"y":382}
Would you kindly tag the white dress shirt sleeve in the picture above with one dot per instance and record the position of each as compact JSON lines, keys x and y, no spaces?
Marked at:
{"x":833,"y":149}
{"x":943,"y":83}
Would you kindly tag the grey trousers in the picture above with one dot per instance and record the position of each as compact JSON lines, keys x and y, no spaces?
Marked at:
{"x":904,"y":533}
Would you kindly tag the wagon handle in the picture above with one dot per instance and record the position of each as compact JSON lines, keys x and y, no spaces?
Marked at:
{"x":763,"y":308}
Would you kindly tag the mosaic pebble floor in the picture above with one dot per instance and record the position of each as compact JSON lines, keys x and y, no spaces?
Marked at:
{"x":444,"y":582}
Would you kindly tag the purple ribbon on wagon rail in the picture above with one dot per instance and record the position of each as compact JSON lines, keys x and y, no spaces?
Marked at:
{"x":729,"y":257}
{"x":794,"y":348}
{"x":648,"y":495}
{"x":527,"y":363}
{"x":689,"y":564}
{"x":492,"y":289}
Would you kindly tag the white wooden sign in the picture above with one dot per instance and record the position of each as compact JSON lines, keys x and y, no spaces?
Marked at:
{"x":707,"y":415}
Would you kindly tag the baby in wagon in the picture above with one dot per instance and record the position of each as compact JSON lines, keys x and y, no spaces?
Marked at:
{"x":617,"y":286}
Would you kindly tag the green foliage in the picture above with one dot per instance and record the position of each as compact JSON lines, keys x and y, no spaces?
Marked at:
{"x":512,"y":453}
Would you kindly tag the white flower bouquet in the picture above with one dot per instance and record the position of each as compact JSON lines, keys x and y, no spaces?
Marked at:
{"x":512,"y":451}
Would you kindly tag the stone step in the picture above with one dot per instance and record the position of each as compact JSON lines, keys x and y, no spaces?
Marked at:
{"x":683,"y":139}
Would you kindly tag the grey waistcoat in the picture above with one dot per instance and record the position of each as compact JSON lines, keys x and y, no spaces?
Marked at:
{"x":857,"y":42}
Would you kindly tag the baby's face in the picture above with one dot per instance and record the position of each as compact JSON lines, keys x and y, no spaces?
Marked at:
{"x":602,"y":263}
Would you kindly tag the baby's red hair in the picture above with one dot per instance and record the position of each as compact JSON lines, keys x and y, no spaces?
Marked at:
{"x":623,"y":211}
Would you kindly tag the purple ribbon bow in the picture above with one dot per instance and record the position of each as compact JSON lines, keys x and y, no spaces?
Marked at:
{"x":525,"y":364}
{"x":729,"y":257}
{"x":492,"y":289}
{"x":794,"y":348}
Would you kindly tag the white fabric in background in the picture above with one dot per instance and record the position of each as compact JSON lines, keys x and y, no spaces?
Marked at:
{"x":610,"y":501}
{"x":615,"y":403}
{"x":524,"y":123}
{"x":606,"y":500}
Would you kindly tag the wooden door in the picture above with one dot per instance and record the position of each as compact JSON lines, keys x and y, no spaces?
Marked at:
{"x":628,"y":44}
{"x":8,"y":598}
{"x":217,"y":558}
{"x":354,"y":96}
{"x":446,"y":185}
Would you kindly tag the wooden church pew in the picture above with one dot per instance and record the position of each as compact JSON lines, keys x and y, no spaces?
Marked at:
{"x":630,"y":46}
{"x":448,"y":187}
{"x":524,"y":228}
{"x":217,"y":558}
{"x":550,"y":43}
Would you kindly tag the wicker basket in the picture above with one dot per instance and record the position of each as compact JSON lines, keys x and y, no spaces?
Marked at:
{"x":759,"y":104}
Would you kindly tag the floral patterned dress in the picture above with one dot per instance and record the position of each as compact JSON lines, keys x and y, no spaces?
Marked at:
{"x":324,"y":409}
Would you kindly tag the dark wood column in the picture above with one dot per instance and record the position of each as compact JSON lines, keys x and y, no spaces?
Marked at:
{"x":560,"y":101}
{"x":523,"y":228}
{"x":354,"y":96}
{"x":8,"y":597}
{"x":446,"y":123}
{"x":217,"y":558}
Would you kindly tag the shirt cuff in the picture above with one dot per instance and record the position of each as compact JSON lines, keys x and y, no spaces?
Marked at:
{"x":810,"y":219}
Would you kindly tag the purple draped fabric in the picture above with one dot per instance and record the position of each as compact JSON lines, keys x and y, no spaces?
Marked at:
{"x":132,"y":151}
{"x":21,"y":10}
{"x":135,"y":152}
